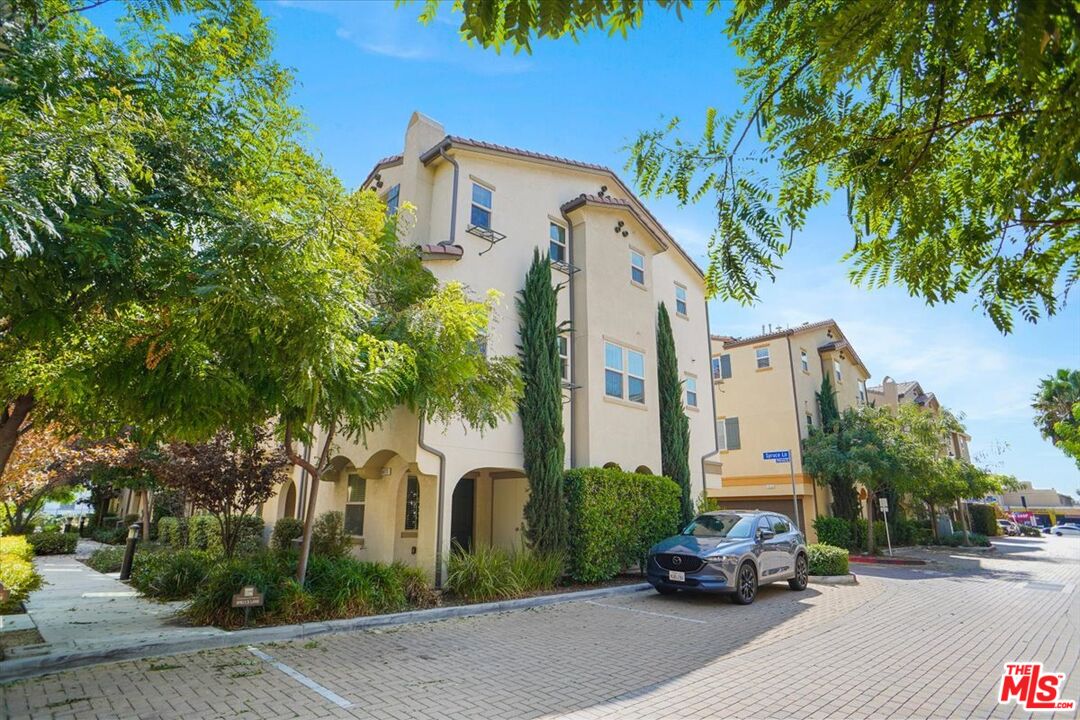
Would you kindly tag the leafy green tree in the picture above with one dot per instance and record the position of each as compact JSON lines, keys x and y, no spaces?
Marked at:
{"x":541,"y":409}
{"x":1057,"y":411}
{"x":831,"y":441}
{"x":674,"y":425}
{"x":952,"y":128}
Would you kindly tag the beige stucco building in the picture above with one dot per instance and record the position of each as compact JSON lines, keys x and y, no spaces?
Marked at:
{"x":765,"y":401}
{"x":411,"y":489}
{"x":893,"y":394}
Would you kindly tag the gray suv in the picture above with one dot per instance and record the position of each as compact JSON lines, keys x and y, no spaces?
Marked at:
{"x":730,"y":551}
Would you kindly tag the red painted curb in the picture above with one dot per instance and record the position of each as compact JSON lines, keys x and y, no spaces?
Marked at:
{"x":874,"y":560}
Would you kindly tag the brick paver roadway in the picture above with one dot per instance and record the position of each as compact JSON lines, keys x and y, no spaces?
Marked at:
{"x":927,"y":643}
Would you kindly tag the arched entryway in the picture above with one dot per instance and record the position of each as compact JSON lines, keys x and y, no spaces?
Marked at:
{"x":288,"y":509}
{"x":487,"y":509}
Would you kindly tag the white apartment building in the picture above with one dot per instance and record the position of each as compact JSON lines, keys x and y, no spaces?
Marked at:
{"x":412,"y":489}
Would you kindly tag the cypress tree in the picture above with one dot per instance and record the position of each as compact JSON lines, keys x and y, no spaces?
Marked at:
{"x":674,"y":425}
{"x":541,"y":410}
{"x":845,"y":499}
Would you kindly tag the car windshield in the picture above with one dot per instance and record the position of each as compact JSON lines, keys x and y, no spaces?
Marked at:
{"x":721,"y":526}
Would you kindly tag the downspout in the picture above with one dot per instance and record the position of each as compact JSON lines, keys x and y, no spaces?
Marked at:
{"x":712,"y":394}
{"x":439,"y":493}
{"x":453,"y":196}
{"x":570,"y":341}
{"x":795,"y":405}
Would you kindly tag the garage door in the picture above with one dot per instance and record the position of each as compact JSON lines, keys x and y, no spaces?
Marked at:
{"x":768,"y":504}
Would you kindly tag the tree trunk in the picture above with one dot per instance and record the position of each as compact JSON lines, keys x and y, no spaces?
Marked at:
{"x":313,"y":493}
{"x":870,"y":522}
{"x":963,"y":520}
{"x":933,"y":521}
{"x":12,"y":419}
{"x":146,"y":514}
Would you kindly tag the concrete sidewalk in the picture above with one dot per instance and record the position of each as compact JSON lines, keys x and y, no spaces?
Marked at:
{"x":80,"y":610}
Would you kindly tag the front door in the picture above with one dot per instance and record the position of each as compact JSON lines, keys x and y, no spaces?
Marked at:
{"x":461,"y":514}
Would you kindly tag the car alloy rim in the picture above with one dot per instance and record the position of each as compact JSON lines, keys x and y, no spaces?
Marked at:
{"x":800,"y":570}
{"x":746,"y":582}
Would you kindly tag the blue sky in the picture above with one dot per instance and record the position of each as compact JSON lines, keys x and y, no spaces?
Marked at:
{"x":363,"y":67}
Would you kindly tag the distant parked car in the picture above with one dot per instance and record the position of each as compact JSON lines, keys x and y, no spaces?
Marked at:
{"x":732,"y":552}
{"x":1008,"y":527}
{"x":1065,"y":529}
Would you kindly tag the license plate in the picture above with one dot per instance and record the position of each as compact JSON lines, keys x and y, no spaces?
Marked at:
{"x":676,"y":575}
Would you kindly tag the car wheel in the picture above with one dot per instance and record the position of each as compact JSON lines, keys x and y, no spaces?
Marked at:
{"x":666,"y":590}
{"x":1058,"y":534}
{"x":745,"y":585}
{"x":802,"y":575}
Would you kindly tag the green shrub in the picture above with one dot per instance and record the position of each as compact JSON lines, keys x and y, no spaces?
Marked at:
{"x":172,"y":531}
{"x":489,"y":573}
{"x":858,"y":535}
{"x":1028,"y":531}
{"x":615,"y":517}
{"x":418,"y":592}
{"x":53,"y":543}
{"x":20,"y":578}
{"x":833,"y":531}
{"x":906,"y":532}
{"x":344,"y":586}
{"x":270,"y":572}
{"x":204,"y":533}
{"x":171,"y":574}
{"x":111,"y":536}
{"x":249,"y":538}
{"x":286,"y":530}
{"x":328,"y":536}
{"x":983,"y":519}
{"x":18,"y":546}
{"x":956,"y":539}
{"x":827,"y":560}
{"x":924,"y":536}
{"x":106,"y":559}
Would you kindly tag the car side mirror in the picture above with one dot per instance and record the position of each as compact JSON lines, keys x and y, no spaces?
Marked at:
{"x":765,"y":534}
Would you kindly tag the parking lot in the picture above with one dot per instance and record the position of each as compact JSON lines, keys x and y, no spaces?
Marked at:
{"x":926,"y":642}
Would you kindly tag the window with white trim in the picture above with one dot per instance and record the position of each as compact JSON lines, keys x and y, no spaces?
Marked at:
{"x":637,"y":267}
{"x":557,"y":243}
{"x":725,"y":366}
{"x":355,"y":502}
{"x":809,"y":421}
{"x":680,"y":300}
{"x":727,"y":434}
{"x":804,"y":360}
{"x":482,"y":198}
{"x":763,"y":360}
{"x":839,"y":372}
{"x":691,"y":391}
{"x":624,"y":373}
{"x":564,"y":357}
{"x":716,"y":368}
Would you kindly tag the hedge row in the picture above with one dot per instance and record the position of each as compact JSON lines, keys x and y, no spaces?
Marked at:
{"x":615,"y":517}
{"x":53,"y":543}
{"x":17,"y":572}
{"x":827,"y":559}
{"x":203,"y":532}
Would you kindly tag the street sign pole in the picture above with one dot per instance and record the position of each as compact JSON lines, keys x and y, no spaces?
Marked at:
{"x":794,"y":495}
{"x":884,"y":503}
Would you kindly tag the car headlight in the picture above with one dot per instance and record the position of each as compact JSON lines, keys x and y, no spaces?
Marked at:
{"x":721,"y":559}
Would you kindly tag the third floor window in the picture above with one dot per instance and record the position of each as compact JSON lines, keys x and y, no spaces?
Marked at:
{"x":557,"y":243}
{"x":481,"y":206}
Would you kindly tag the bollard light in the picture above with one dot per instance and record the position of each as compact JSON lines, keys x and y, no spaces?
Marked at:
{"x":129,"y":551}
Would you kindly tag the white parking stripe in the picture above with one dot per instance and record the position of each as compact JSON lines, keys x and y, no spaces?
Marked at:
{"x":647,"y":612}
{"x":301,"y":678}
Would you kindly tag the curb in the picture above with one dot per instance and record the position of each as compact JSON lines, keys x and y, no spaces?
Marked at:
{"x":22,"y":668}
{"x":849,"y":579}
{"x":874,"y":560}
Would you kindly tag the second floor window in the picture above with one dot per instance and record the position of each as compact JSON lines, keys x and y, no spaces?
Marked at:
{"x":624,"y":373}
{"x":557,"y":243}
{"x":412,"y":503}
{"x":355,"y":502}
{"x":721,"y":367}
{"x":763,"y":360}
{"x":727,"y":434}
{"x":680,"y":299}
{"x":481,"y":206}
{"x":839,"y":373}
{"x":691,"y":392}
{"x":637,"y":267}
{"x":392,"y":199}
{"x":809,"y":421}
{"x":804,"y":359}
{"x":564,"y":358}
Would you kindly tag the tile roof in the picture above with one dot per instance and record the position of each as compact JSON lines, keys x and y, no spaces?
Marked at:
{"x":779,"y":333}
{"x":387,"y":161}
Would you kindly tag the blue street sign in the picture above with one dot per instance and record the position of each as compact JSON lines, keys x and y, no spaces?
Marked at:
{"x":777,"y":455}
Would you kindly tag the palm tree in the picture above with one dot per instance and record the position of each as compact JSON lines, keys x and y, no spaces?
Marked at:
{"x":1053,"y":403}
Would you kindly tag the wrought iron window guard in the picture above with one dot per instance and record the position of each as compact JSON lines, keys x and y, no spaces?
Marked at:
{"x":565,"y":267}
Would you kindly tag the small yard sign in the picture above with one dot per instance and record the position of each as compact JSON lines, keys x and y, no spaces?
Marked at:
{"x":777,"y":455}
{"x":249,"y":597}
